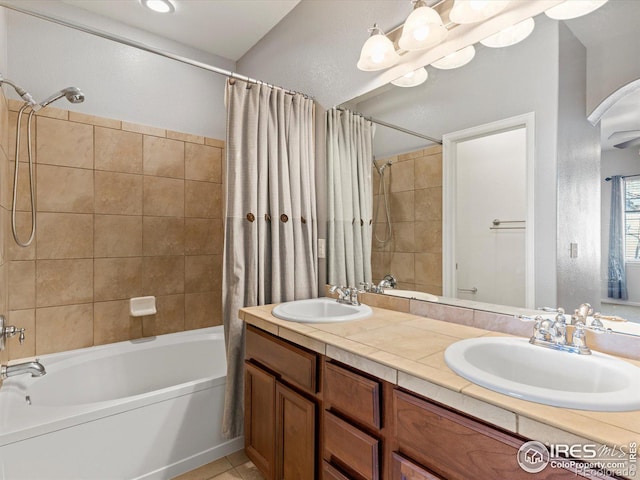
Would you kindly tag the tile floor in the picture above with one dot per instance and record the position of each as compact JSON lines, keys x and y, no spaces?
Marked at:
{"x":232,"y":467}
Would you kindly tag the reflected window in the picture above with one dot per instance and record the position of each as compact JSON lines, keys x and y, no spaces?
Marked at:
{"x":632,"y":218}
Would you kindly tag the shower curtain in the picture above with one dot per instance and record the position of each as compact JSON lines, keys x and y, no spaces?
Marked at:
{"x":349,"y":164}
{"x":270,"y":248}
{"x":617,"y":277}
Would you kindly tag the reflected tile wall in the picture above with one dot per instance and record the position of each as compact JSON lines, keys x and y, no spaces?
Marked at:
{"x":414,"y":253}
{"x":123,"y":210}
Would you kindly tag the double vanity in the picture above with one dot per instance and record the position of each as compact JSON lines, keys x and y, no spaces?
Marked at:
{"x":373,"y":397}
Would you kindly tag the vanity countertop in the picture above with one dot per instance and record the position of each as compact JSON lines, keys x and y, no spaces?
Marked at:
{"x":408,"y":350}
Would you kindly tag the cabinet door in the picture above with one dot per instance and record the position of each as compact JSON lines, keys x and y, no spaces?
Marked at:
{"x":329,"y":472}
{"x":404,"y":469}
{"x":259,"y":418}
{"x":295,"y":435}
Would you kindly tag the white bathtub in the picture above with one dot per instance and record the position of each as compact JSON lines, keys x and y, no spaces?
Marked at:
{"x":145,"y":409}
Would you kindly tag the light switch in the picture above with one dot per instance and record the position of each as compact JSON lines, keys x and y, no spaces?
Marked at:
{"x":322,"y":249}
{"x":573,"y":250}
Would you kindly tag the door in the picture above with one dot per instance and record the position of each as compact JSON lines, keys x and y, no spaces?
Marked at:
{"x":491,"y":215}
{"x":488,"y":200}
{"x":295,"y":435}
{"x":259,"y":419}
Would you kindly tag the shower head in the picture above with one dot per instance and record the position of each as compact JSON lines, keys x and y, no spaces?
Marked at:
{"x":19,"y":90}
{"x":73,"y":94}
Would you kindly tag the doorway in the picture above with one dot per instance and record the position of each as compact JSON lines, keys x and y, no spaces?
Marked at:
{"x":488,"y":212}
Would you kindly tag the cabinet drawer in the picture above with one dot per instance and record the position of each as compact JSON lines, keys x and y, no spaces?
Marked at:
{"x":350,"y":448}
{"x":352,"y":394}
{"x":404,"y":469}
{"x":291,"y":363}
{"x":455,"y":446}
{"x":329,"y":472}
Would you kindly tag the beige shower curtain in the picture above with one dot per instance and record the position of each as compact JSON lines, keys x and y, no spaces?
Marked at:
{"x":349,"y":165}
{"x":270,"y":248}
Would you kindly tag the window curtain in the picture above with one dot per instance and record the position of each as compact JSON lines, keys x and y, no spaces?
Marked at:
{"x":617,"y":278}
{"x":270,"y":248}
{"x":349,"y":165}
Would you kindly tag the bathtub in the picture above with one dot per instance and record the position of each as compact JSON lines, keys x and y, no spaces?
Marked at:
{"x":143,"y":409}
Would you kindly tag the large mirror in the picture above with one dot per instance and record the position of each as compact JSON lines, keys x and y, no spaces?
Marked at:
{"x":544,"y":88}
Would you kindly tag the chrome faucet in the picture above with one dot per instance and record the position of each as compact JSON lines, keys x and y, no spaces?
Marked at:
{"x":389,"y":281}
{"x":346,"y":295}
{"x":8,"y":331}
{"x":554,"y":334}
{"x":35,"y":368}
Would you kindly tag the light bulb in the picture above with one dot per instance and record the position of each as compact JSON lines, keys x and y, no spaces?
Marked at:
{"x":574,"y":9}
{"x":377,"y":53}
{"x":420,"y":33}
{"x":423,"y":29}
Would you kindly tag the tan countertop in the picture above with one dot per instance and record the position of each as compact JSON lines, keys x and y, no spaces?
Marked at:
{"x":408,"y":350}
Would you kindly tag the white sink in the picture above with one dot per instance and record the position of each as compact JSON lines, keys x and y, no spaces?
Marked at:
{"x":320,"y":310}
{"x":515,"y":367}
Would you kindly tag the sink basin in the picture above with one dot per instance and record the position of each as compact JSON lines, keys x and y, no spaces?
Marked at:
{"x":320,"y":310}
{"x":515,"y":367}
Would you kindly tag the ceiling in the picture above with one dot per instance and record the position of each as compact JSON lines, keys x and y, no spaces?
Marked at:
{"x":227,"y":28}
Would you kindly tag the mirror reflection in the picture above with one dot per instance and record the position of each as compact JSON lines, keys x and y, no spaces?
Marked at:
{"x":514,"y":209}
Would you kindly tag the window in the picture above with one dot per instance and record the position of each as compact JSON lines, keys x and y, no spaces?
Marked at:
{"x":632,"y":218}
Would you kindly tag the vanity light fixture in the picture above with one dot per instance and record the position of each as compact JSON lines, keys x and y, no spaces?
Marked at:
{"x":422,"y":29}
{"x":510,"y":35}
{"x":377,"y":52}
{"x":412,"y":79}
{"x":473,"y":11}
{"x":160,"y":6}
{"x":574,"y":9}
{"x":456,"y":59}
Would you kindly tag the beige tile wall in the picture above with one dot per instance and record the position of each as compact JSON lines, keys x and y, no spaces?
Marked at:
{"x":4,"y":211}
{"x":123,"y":210}
{"x":414,"y":254}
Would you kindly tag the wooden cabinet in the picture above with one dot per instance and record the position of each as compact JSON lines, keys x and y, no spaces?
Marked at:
{"x":352,"y":432}
{"x":280,"y":407}
{"x":295,"y":435}
{"x":404,"y":469}
{"x":308,"y":417}
{"x":454,"y":446}
{"x":259,"y":418}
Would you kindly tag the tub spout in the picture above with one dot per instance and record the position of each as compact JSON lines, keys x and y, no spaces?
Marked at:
{"x":35,"y":368}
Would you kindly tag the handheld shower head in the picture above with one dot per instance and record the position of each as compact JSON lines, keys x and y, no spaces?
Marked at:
{"x":73,"y":94}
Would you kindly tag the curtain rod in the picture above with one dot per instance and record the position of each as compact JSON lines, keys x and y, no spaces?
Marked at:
{"x":392,"y":126}
{"x":147,"y":48}
{"x":608,"y":179}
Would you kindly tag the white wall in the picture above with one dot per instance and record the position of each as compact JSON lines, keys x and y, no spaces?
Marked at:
{"x":314,"y":49}
{"x":497,"y":84}
{"x":3,"y":42}
{"x":119,"y":82}
{"x":578,"y":182}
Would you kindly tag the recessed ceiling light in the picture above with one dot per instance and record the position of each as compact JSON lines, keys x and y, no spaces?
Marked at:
{"x":160,"y":6}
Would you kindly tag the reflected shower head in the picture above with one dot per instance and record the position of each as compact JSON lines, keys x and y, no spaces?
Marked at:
{"x":20,"y":91}
{"x":73,"y":94}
